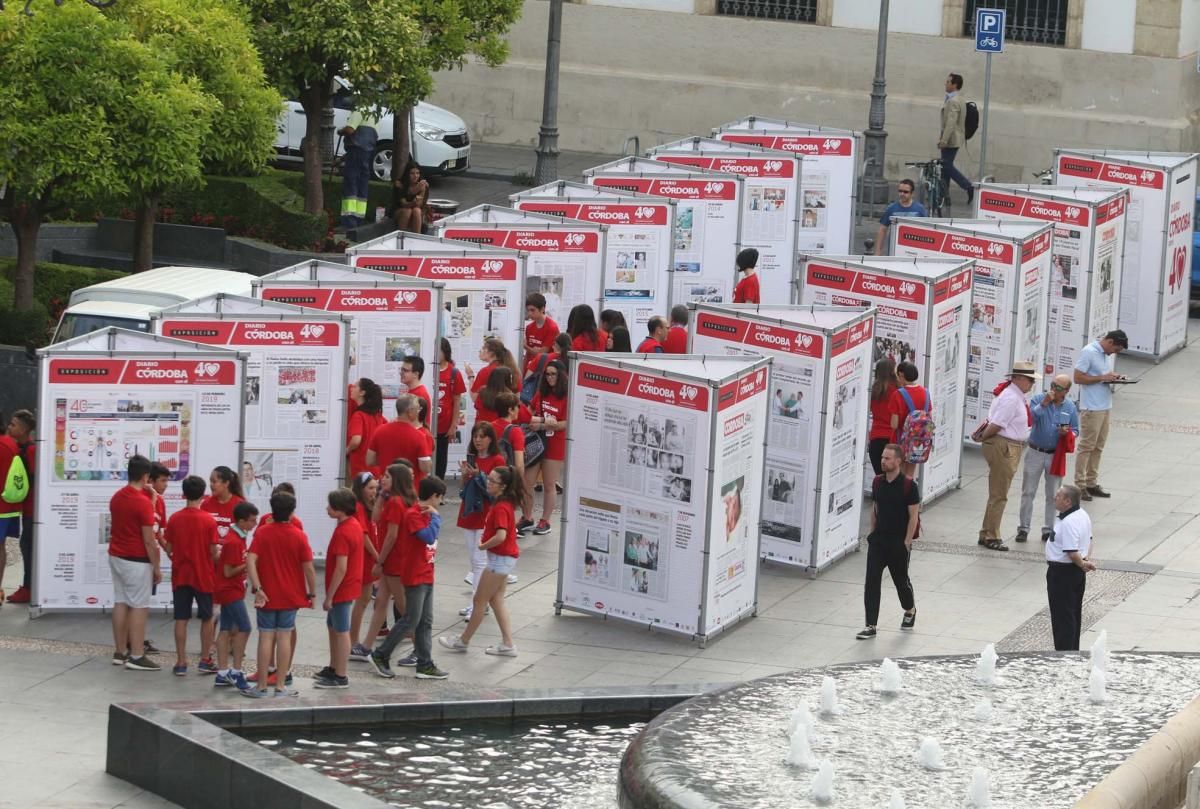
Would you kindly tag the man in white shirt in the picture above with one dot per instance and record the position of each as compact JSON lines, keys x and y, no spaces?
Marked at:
{"x":1093,"y":376}
{"x":1004,"y":436}
{"x":1067,"y":566}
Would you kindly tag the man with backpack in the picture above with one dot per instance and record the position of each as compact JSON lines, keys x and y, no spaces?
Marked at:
{"x":1004,"y":435}
{"x":954,"y":135}
{"x":895,"y":523}
{"x":912,"y":418}
{"x":14,"y":489}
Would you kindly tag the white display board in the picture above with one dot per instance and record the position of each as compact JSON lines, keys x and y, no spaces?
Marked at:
{"x":102,"y":398}
{"x":770,"y":202}
{"x":708,"y":221}
{"x":294,"y":396}
{"x":641,"y":250}
{"x":832,"y":159}
{"x":660,"y":527}
{"x":565,"y":257}
{"x":1156,"y":284}
{"x":1086,"y":267}
{"x":1010,"y":299}
{"x":922,"y":315}
{"x":389,"y":319}
{"x":800,"y":341}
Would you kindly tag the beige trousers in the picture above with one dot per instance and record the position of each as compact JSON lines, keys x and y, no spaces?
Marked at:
{"x":1003,"y":456}
{"x":1093,"y":434}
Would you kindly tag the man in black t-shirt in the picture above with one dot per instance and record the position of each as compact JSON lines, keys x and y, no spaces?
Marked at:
{"x":894,"y":522}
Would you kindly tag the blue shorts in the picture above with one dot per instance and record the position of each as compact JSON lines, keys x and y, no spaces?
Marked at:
{"x":276,"y":620}
{"x":182,"y":599}
{"x":10,"y":527}
{"x":235,"y":615}
{"x":501,"y":564}
{"x":338,"y":617}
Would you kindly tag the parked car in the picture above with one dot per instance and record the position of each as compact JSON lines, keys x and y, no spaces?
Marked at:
{"x":439,"y":138}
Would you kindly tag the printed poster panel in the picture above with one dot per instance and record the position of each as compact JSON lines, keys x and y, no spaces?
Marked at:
{"x":840,"y":494}
{"x":946,"y":380}
{"x":734,"y":508}
{"x":295,"y":406}
{"x":1008,"y":313}
{"x":793,"y":422}
{"x":94,"y":413}
{"x":1156,"y":276}
{"x":829,"y":175}
{"x":707,"y":230}
{"x":637,"y":264}
{"x":564,"y":264}
{"x":637,"y":514}
{"x":770,"y":212}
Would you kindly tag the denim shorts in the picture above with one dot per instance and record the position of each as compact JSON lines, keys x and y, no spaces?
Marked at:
{"x":501,"y":564}
{"x":235,"y":615}
{"x":338,"y":617}
{"x":276,"y":620}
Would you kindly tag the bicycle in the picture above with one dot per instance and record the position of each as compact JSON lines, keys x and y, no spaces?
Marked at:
{"x":932,"y":191}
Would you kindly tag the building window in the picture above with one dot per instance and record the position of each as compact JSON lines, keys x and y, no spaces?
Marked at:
{"x":789,"y":10}
{"x":1038,"y":22}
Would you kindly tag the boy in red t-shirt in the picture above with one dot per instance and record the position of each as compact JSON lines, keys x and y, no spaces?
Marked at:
{"x":282,"y":580}
{"x":540,"y":331}
{"x":230,"y":596}
{"x":747,"y":290}
{"x":422,"y":524}
{"x":192,"y":542}
{"x":133,"y":559}
{"x":160,"y":479}
{"x":343,"y":581}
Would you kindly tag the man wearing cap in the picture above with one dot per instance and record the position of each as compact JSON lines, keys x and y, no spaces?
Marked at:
{"x":746,"y":290}
{"x":1054,"y":416}
{"x":1095,"y":405}
{"x":1004,"y":435}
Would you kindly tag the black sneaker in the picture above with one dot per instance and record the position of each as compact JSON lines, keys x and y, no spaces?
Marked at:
{"x":1046,"y":535}
{"x":1096,"y":491}
{"x":325,"y":673}
{"x":381,"y":666}
{"x":525,"y":525}
{"x":1022,"y":536}
{"x":431,"y":672}
{"x":149,"y":647}
{"x":142,"y":663}
{"x":333,"y":681}
{"x":910,"y":620}
{"x":866,"y":634}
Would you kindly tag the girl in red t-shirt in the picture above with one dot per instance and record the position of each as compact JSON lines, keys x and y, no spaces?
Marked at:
{"x":507,"y":490}
{"x":550,"y":417}
{"x":397,"y":486}
{"x":882,"y":433}
{"x":451,"y":387}
{"x":366,"y":418}
{"x":487,"y":457}
{"x":365,"y":489}
{"x":226,"y":488}
{"x":585,"y":334}
{"x":494,"y":353}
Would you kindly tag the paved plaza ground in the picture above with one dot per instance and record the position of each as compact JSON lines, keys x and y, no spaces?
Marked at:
{"x":56,"y":681}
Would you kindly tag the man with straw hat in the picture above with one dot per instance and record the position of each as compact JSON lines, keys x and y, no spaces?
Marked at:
{"x":1004,"y":436}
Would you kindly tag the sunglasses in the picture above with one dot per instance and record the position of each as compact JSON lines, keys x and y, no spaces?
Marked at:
{"x":1056,"y":386}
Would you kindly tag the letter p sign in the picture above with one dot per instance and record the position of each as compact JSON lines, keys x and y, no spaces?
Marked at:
{"x":989,"y":30}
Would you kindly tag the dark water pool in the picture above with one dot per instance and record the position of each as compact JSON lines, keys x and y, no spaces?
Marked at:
{"x":505,"y":764}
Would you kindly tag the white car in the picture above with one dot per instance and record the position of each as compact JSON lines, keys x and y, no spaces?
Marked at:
{"x":439,"y":138}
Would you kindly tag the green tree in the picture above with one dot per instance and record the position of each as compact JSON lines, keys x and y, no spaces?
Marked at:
{"x":304,"y":45}
{"x":77,"y":93}
{"x":209,"y":43}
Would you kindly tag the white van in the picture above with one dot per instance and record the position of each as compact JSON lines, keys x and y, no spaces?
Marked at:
{"x":127,"y":302}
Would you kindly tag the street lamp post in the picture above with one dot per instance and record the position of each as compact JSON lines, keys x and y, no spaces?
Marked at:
{"x":875,"y":186}
{"x":547,"y":148}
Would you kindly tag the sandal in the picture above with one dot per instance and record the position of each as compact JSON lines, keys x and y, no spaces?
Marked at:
{"x":993,"y":544}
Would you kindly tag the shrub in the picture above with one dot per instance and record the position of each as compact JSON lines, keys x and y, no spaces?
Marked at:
{"x":52,"y":287}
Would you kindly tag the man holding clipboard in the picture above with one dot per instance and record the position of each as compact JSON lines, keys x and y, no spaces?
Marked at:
{"x":1095,"y":405}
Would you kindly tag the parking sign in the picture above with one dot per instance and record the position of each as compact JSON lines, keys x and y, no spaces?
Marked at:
{"x":989,"y":30}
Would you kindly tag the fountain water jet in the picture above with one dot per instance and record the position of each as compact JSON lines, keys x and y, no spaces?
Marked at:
{"x":829,"y":697}
{"x":890,"y":681}
{"x":897,"y":801}
{"x":822,"y":784}
{"x":800,"y":754}
{"x":979,"y":793}
{"x":1099,"y":652}
{"x":1097,"y":691}
{"x":983,"y":710}
{"x":929,"y":755}
{"x":985,"y":671}
{"x":800,"y":716}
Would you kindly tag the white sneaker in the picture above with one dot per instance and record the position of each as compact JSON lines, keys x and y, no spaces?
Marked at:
{"x":465,"y":612}
{"x":500,"y":650}
{"x":469,"y":579}
{"x":452,"y":642}
{"x":512,"y":578}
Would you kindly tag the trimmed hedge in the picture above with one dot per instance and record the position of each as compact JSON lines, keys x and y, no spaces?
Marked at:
{"x":264,"y":207}
{"x":379,"y":194}
{"x":52,"y":287}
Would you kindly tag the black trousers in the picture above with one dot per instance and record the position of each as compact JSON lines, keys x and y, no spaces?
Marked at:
{"x":889,"y":553}
{"x":26,"y":543}
{"x":1065,"y":583}
{"x":875,"y":453}
{"x":441,"y":456}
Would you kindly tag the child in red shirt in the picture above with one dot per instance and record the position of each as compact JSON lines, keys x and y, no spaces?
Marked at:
{"x":507,"y":489}
{"x":397,"y":485}
{"x":365,"y":489}
{"x":550,"y":407}
{"x":343,"y":581}
{"x":422,"y":524}
{"x":226,"y":488}
{"x":540,"y":331}
{"x":747,"y":290}
{"x":487,"y":457}
{"x":508,"y":406}
{"x":282,"y":579}
{"x":133,"y":559}
{"x":230,"y":595}
{"x":191,"y":540}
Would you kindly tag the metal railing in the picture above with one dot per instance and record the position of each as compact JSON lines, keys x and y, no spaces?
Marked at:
{"x":1038,"y":22}
{"x":788,"y":10}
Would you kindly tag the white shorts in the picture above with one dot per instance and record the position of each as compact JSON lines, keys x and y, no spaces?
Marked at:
{"x":132,"y":582}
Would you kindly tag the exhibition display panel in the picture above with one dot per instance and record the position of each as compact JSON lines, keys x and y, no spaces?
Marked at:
{"x":641,"y":248}
{"x":1009,"y":295}
{"x":1156,"y":276}
{"x":922,"y":315}
{"x":103,"y":398}
{"x":816,"y":423}
{"x":660,"y":524}
{"x":1086,"y":263}
{"x":294,"y":395}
